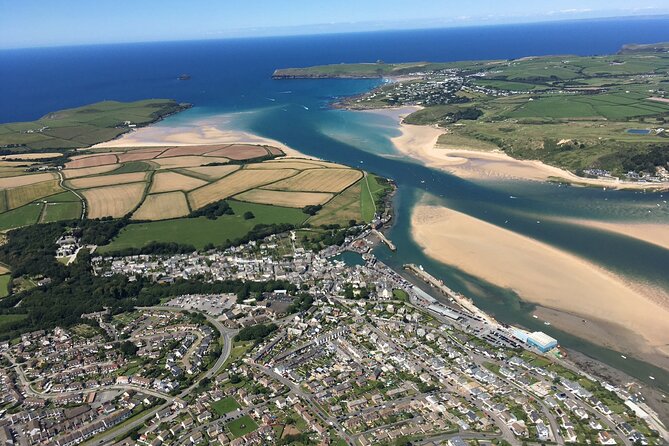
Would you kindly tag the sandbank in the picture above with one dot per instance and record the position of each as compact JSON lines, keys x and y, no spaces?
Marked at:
{"x":549,"y":277}
{"x":654,"y":233}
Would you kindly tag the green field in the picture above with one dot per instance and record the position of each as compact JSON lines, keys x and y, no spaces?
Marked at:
{"x":4,"y":284}
{"x":67,"y":210}
{"x":506,"y":85}
{"x":201,"y":231}
{"x":84,"y":126}
{"x":23,"y":216}
{"x":242,"y":426}
{"x":371,"y":192}
{"x":225,"y":405}
{"x":130,"y":167}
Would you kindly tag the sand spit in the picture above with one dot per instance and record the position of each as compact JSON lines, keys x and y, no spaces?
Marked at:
{"x":551,"y":278}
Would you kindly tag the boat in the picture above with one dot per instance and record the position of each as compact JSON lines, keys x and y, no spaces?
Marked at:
{"x":623,"y":356}
{"x":547,"y":323}
{"x":651,"y":377}
{"x":184,"y":77}
{"x":305,"y":107}
{"x":512,"y":197}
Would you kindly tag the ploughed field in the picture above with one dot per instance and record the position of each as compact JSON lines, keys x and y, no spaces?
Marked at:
{"x":171,"y":183}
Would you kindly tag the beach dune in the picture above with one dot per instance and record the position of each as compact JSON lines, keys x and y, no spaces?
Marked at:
{"x":626,"y":319}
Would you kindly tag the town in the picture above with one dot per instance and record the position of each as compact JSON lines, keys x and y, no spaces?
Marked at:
{"x":356,"y":354}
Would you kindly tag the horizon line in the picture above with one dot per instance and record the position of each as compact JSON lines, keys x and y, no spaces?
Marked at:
{"x":334,"y":33}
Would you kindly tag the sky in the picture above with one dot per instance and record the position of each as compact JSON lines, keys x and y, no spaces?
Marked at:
{"x":35,"y":23}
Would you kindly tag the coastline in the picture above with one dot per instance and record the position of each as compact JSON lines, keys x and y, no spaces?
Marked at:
{"x":200,"y":132}
{"x":421,"y":143}
{"x":573,"y":288}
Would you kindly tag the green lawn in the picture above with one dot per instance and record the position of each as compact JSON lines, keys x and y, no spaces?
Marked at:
{"x":225,"y":405}
{"x":242,"y":426}
{"x":201,"y":231}
{"x":4,"y":284}
{"x":23,"y":216}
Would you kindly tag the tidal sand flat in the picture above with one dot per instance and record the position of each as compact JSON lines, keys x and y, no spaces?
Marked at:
{"x":203,"y":131}
{"x":552,"y":278}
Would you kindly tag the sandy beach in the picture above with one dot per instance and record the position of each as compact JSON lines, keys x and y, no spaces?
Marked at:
{"x":420,"y":142}
{"x":205,"y":131}
{"x":616,"y":315}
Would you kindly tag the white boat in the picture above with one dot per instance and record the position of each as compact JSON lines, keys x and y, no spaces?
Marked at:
{"x":651,"y":377}
{"x":623,"y":356}
{"x":305,"y":107}
{"x":512,"y":197}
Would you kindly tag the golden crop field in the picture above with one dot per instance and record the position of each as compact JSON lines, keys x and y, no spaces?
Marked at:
{"x":138,"y":155}
{"x":165,"y":181}
{"x":284,"y":165}
{"x":187,"y":161}
{"x":212,"y":172}
{"x":107,"y":180}
{"x":283,"y":198}
{"x":312,"y":162}
{"x":32,"y":156}
{"x":86,"y":171}
{"x":320,"y":180}
{"x":191,"y":150}
{"x":18,"y":196}
{"x":91,"y":161}
{"x":343,"y":207}
{"x":235,"y":183}
{"x":240,"y":152}
{"x":162,"y":206}
{"x":114,"y":201}
{"x":24,"y":180}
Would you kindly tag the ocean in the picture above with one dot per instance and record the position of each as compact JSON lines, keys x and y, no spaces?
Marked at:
{"x":233,"y":77}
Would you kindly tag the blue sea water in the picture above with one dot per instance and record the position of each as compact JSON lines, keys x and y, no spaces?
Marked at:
{"x":233,"y":77}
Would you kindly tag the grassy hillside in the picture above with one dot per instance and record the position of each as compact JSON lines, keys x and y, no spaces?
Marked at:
{"x":84,"y":126}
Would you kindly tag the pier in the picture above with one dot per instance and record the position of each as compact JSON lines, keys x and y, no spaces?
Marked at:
{"x":385,"y":240}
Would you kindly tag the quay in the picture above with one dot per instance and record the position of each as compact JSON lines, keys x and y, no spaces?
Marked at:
{"x":461,"y":300}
